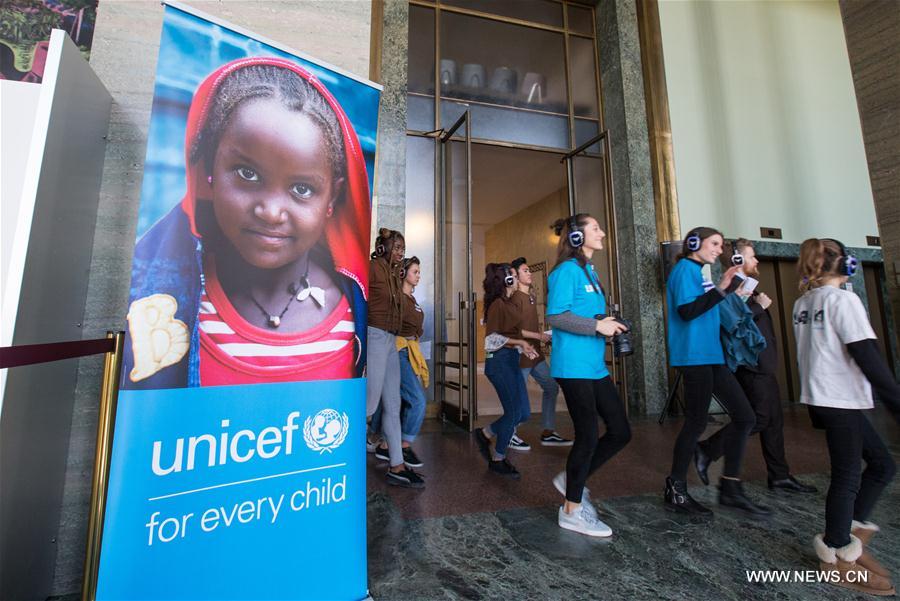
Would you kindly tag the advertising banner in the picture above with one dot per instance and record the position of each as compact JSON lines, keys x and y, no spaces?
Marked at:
{"x":238,"y":456}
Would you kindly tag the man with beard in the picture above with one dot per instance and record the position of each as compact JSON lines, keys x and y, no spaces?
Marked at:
{"x":761,"y":387}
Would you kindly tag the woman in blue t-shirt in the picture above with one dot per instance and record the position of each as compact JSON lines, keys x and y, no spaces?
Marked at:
{"x":696,"y":351}
{"x":578,"y":363}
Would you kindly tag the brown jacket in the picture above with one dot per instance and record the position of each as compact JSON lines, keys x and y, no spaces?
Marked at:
{"x":528,"y":312}
{"x":413,"y":318}
{"x":503,"y":318}
{"x":385,"y":297}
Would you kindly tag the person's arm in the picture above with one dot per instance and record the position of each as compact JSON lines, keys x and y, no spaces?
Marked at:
{"x":701,"y":304}
{"x":540,"y":336}
{"x":575,"y":324}
{"x":869,"y":359}
{"x":692,"y":307}
{"x":758,"y":304}
{"x":524,"y":345}
{"x":499,"y":320}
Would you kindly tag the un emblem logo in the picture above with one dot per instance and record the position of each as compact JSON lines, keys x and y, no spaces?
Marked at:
{"x":326,"y":430}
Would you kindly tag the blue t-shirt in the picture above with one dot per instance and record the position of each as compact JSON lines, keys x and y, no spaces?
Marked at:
{"x":694,"y":342}
{"x":575,"y":355}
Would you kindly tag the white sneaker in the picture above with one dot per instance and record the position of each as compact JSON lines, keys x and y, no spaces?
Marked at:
{"x":559,"y":481}
{"x":582,"y":522}
{"x":517,"y":444}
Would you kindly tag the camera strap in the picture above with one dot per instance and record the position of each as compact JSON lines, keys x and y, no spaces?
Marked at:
{"x":595,"y":280}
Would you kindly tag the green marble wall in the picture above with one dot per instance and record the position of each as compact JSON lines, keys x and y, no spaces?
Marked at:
{"x":625,"y":115}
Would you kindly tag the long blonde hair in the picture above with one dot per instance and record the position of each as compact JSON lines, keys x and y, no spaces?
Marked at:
{"x":819,"y":258}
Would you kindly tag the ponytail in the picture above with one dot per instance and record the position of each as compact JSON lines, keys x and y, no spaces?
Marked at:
{"x":494,"y":287}
{"x":819,"y":258}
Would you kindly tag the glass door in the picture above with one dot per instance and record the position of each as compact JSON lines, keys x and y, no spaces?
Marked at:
{"x":455,"y":382}
{"x":590,"y":191}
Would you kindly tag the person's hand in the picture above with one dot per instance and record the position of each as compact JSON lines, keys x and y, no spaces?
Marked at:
{"x":728,"y":277}
{"x":763,"y":300}
{"x":529,"y":351}
{"x":545,"y":337}
{"x":609,"y":327}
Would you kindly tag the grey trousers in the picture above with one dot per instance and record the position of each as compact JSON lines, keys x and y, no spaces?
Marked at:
{"x":383,"y":384}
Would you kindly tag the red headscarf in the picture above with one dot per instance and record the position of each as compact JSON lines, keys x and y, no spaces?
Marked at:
{"x":347,"y":233}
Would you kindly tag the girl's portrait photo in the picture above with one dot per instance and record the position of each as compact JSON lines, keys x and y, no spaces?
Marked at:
{"x":259,"y":271}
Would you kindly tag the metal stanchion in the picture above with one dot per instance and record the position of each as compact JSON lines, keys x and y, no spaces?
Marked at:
{"x":105,"y":423}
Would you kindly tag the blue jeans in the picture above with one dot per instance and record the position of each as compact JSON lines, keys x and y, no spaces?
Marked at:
{"x":541,"y":375}
{"x":412,"y":413}
{"x":502,"y":369}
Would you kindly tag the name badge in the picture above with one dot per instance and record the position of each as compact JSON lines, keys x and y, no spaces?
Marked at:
{"x":588,"y":288}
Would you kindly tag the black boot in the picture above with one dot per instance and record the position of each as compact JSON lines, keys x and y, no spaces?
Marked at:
{"x":731,"y":494}
{"x":791,"y":484}
{"x":701,"y":462}
{"x":677,"y":498}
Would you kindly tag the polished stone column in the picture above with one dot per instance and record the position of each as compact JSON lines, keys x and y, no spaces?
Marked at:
{"x":390,"y":46}
{"x":872,"y":30}
{"x":625,"y":116}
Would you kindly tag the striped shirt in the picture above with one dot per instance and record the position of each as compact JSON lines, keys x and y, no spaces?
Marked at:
{"x":233,"y":351}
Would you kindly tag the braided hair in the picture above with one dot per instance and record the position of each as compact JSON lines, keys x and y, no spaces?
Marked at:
{"x":269,"y":81}
{"x":819,"y":258}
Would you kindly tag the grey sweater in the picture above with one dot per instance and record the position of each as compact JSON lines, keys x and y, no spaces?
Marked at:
{"x":569,"y":322}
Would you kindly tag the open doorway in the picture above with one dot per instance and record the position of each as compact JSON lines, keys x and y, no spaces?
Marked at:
{"x":469,"y":203}
{"x":497,"y":203}
{"x":516,"y":195}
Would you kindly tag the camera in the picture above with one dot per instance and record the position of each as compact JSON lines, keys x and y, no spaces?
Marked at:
{"x":621,"y":342}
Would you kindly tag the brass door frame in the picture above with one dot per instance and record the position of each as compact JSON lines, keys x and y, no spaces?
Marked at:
{"x":440,"y":7}
{"x":465,"y":385}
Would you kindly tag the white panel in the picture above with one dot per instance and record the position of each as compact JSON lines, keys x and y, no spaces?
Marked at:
{"x":51,"y":254}
{"x":765,"y":126}
{"x":18,"y":105}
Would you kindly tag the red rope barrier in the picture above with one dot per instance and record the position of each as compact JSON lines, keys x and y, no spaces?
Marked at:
{"x":28,"y":354}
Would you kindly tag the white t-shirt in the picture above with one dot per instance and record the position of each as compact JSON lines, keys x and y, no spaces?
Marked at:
{"x":826,"y":319}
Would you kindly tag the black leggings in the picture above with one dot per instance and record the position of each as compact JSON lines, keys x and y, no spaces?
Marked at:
{"x":762,"y":392}
{"x":852,"y":494}
{"x":700,"y":383}
{"x":587,"y":400}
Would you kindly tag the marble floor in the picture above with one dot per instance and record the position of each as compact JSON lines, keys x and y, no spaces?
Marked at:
{"x":471,"y":535}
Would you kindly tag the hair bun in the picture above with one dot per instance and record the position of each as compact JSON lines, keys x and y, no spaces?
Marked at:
{"x":558,"y":226}
{"x":384,"y":232}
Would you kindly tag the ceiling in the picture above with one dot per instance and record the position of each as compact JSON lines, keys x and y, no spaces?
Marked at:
{"x":507,"y":180}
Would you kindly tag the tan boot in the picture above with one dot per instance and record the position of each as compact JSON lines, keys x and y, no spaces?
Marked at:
{"x":864,"y":531}
{"x":847,"y":573}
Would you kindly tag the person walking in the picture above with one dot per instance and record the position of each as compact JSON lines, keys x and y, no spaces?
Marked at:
{"x":839,"y":364}
{"x":503,"y":343}
{"x":696,"y":351}
{"x":536,"y":368}
{"x":575,"y":309}
{"x":760,"y":384}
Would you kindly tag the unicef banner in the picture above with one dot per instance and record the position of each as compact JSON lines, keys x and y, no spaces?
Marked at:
{"x":238,"y":458}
